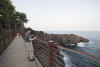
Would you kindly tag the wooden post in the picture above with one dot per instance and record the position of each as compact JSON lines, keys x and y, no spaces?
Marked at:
{"x":50,"y":55}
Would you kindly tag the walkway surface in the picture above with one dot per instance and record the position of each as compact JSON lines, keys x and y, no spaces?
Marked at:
{"x":16,"y":55}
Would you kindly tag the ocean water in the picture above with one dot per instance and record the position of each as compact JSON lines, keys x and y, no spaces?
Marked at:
{"x":92,"y":48}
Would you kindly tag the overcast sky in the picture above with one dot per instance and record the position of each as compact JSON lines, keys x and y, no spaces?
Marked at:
{"x":61,"y":15}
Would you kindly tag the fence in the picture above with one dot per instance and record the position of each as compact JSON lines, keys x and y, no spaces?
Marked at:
{"x":49,"y":56}
{"x":5,"y":40}
{"x":48,"y":53}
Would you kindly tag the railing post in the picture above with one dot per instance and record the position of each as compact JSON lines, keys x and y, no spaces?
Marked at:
{"x":4,"y":44}
{"x":9,"y":38}
{"x":33,"y":47}
{"x":50,"y":55}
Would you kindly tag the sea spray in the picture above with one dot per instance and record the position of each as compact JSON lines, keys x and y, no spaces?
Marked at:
{"x":67,"y":60}
{"x":81,"y":44}
{"x":91,"y":42}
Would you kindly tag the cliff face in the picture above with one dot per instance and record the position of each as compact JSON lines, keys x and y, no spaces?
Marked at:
{"x":63,"y":38}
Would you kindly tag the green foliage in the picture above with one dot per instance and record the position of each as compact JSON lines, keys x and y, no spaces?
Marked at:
{"x":34,"y":32}
{"x":9,"y":16}
{"x":21,"y":17}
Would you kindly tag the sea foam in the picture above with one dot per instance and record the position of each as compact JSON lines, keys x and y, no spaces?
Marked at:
{"x":81,"y":44}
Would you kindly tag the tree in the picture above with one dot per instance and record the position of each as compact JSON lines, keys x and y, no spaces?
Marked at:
{"x":9,"y":17}
{"x":21,"y":17}
{"x":35,"y":32}
{"x":6,"y":12}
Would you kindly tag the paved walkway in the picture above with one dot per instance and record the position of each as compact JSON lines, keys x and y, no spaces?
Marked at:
{"x":16,"y":55}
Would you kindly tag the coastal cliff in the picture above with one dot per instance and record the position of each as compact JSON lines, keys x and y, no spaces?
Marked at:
{"x":63,"y":38}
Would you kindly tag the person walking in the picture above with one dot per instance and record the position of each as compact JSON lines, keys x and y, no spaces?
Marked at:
{"x":28,"y":40}
{"x":18,"y":34}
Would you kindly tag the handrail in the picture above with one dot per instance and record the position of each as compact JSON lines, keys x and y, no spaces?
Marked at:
{"x":5,"y":41}
{"x":47,"y":54}
{"x":42,"y":41}
{"x":80,"y":53}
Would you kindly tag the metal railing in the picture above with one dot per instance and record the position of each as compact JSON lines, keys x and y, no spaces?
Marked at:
{"x":5,"y":40}
{"x":49,"y":56}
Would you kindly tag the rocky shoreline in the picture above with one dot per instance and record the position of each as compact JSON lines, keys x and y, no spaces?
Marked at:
{"x":63,"y":38}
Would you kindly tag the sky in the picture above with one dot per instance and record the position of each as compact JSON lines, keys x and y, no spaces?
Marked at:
{"x":61,"y":15}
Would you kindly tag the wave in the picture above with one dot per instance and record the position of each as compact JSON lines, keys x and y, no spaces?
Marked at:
{"x":81,"y":44}
{"x":91,"y":42}
{"x":67,"y":60}
{"x":72,"y":44}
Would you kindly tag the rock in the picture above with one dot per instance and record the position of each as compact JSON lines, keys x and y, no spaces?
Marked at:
{"x":63,"y":38}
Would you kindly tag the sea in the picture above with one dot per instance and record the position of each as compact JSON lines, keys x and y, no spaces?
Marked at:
{"x":92,"y":47}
